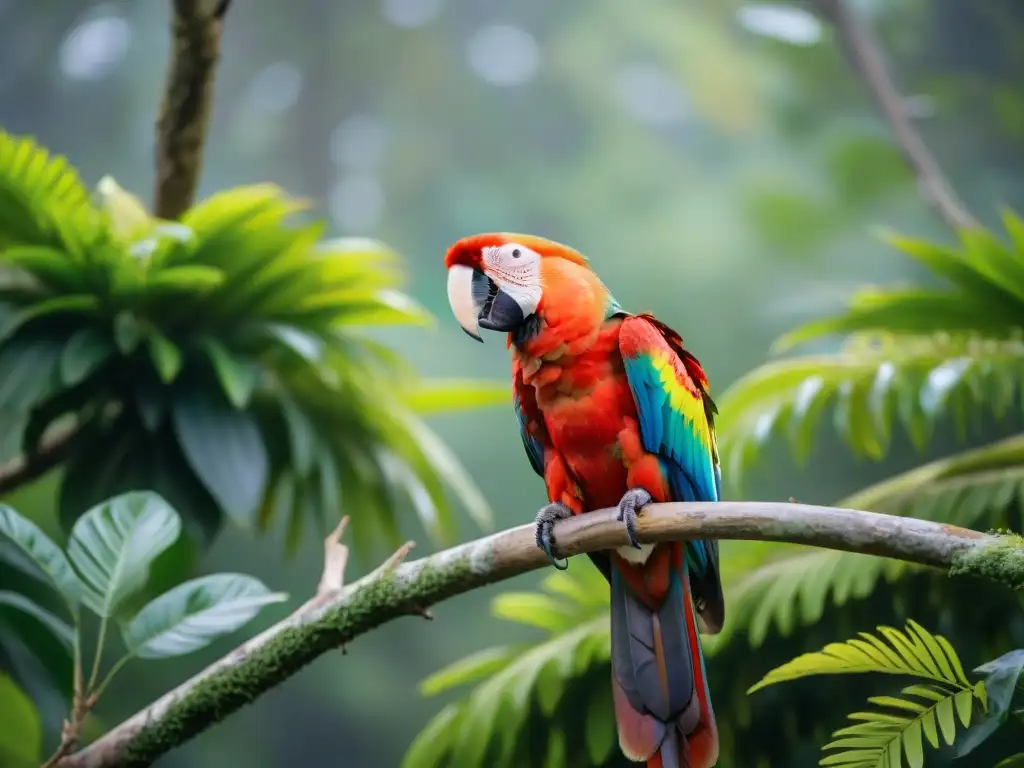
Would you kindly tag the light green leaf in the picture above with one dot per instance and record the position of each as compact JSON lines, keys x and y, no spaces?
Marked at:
{"x":470,"y":669}
{"x":86,"y":350}
{"x":190,"y":279}
{"x":129,"y":219}
{"x":441,"y":395}
{"x":192,"y":615}
{"x":165,"y":354}
{"x":1014,"y":761}
{"x":225,"y":449}
{"x":21,"y":737}
{"x":114,"y":543}
{"x":18,"y":602}
{"x":433,"y":743}
{"x":43,"y":552}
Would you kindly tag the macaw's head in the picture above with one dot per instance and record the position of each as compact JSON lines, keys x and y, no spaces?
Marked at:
{"x":496,"y":281}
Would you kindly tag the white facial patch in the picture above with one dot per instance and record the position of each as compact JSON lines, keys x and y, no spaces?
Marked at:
{"x":516,"y":270}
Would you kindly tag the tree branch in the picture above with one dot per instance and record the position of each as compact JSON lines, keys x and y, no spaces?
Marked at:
{"x":866,"y":58}
{"x":51,"y":452}
{"x":185,"y":111}
{"x":337,"y":615}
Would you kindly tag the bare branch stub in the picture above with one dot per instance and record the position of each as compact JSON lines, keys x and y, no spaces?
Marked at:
{"x":868,"y":61}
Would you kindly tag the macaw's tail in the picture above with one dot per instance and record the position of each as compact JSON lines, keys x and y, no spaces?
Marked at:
{"x":662,"y":705}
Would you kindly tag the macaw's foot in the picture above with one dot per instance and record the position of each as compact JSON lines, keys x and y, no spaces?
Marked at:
{"x":632,"y":502}
{"x":545,"y":531}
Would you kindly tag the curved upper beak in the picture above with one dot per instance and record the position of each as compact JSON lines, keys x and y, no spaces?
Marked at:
{"x":466,"y":302}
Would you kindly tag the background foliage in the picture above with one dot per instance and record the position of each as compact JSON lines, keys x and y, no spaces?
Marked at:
{"x":723,"y":147}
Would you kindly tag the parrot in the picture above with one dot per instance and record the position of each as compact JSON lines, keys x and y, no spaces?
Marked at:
{"x":614,"y":412}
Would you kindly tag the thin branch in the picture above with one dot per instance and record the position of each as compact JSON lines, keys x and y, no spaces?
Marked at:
{"x":185,"y":111}
{"x":50,"y":453}
{"x":336,"y":616}
{"x":866,"y":58}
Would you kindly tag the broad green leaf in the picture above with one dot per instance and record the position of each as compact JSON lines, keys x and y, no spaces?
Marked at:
{"x":43,"y":552}
{"x":129,"y":219}
{"x":190,"y":279}
{"x":302,"y":435}
{"x":86,"y":351}
{"x":225,"y":449}
{"x":194,"y":614}
{"x":1001,"y":678}
{"x":21,"y":737}
{"x":113,"y":545}
{"x":433,"y":743}
{"x":54,"y":268}
{"x":18,"y":602}
{"x":127,"y":332}
{"x":237,"y":376}
{"x":601,"y":733}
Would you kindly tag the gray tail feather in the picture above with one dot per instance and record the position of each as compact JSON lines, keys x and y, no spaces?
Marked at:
{"x":671,"y":755}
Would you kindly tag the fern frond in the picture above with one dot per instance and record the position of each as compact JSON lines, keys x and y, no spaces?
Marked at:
{"x":512,"y":682}
{"x":915,"y":652}
{"x":984,"y":294}
{"x":892,"y":733}
{"x":876,"y":382}
{"x":880,"y":738}
{"x":793,"y":584}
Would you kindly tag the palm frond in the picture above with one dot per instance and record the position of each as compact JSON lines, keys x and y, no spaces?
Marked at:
{"x":880,"y":738}
{"x":978,"y":488}
{"x":517,"y":682}
{"x":876,"y":382}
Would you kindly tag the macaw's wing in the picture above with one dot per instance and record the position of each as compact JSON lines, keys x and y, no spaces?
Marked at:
{"x":531,"y":422}
{"x":536,"y":441}
{"x":676,"y":418}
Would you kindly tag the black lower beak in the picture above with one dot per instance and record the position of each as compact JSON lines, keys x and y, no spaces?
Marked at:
{"x":502,"y":313}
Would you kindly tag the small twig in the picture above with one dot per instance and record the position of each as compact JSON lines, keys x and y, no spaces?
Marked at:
{"x":50,"y":453}
{"x":866,"y":58}
{"x":185,"y":111}
{"x":398,"y":589}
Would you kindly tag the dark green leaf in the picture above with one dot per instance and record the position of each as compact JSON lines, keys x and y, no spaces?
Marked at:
{"x":85,"y":352}
{"x":224,"y":448}
{"x":165,"y":354}
{"x":127,"y":332}
{"x":21,"y":738}
{"x":17,"y":602}
{"x":237,"y":376}
{"x":301,"y":435}
{"x":194,"y":614}
{"x":114,"y":543}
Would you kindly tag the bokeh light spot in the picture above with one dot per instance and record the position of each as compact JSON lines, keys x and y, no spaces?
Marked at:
{"x":650,"y":95}
{"x":275,"y":88}
{"x":357,"y":202}
{"x":359,"y":142}
{"x":782,"y":22}
{"x":410,"y":14}
{"x":503,"y":55}
{"x":96,"y":46}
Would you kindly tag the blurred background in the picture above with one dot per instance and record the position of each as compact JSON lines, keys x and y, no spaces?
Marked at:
{"x":717,"y":161}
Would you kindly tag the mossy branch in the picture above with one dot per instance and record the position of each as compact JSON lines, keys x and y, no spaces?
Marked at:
{"x":338,"y":614}
{"x":185,"y":111}
{"x":866,"y":58}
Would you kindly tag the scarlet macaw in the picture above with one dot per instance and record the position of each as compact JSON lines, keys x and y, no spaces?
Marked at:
{"x":613,"y":411}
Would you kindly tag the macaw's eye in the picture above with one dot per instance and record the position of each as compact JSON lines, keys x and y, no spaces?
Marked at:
{"x":516,"y":253}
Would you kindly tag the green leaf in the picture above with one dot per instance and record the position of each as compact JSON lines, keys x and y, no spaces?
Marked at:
{"x":53,"y":268}
{"x":224,"y":448}
{"x":237,"y":377}
{"x":194,"y":614}
{"x":129,"y":219}
{"x":1014,"y":761}
{"x":190,"y":279}
{"x":114,"y":543}
{"x":21,"y":738}
{"x":600,"y":726}
{"x":165,"y":354}
{"x":1001,"y":678}
{"x":470,"y":669}
{"x":43,"y":552}
{"x":439,"y":396}
{"x":431,"y":746}
{"x":86,"y":351}
{"x":302,"y":436}
{"x":127,"y":332}
{"x":59,"y":628}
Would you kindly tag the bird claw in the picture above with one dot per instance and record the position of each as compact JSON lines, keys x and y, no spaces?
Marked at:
{"x":630,"y":505}
{"x":545,"y":530}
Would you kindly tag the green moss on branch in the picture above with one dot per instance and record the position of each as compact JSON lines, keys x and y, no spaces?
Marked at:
{"x":1001,"y":560}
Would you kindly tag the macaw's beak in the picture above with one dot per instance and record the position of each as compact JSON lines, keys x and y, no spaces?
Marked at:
{"x":477,"y":302}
